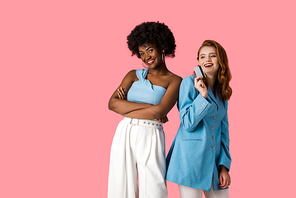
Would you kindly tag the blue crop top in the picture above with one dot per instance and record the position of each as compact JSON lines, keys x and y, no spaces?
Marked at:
{"x":142,"y":91}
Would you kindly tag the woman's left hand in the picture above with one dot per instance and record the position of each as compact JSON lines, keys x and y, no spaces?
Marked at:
{"x":163,"y":119}
{"x":121,"y":93}
{"x":224,"y":177}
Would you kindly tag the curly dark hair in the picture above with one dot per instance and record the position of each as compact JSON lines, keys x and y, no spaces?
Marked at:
{"x":153,"y":33}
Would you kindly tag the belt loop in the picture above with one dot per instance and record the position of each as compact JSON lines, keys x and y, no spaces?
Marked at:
{"x":131,"y":120}
{"x":138,"y":120}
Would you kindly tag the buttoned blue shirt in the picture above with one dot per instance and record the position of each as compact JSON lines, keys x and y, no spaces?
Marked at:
{"x":201,"y":144}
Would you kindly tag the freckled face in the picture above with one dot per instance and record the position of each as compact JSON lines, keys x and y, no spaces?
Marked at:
{"x":150,"y":55}
{"x":208,"y":59}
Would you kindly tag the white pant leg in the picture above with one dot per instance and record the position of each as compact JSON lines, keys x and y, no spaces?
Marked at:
{"x":150,"y":152}
{"x":122,"y":181}
{"x":217,"y":193}
{"x":188,"y":192}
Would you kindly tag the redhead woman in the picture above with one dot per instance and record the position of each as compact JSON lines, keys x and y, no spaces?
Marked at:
{"x":144,"y":98}
{"x":199,"y":158}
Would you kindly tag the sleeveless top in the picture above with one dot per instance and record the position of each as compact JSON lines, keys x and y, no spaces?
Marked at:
{"x":142,"y":91}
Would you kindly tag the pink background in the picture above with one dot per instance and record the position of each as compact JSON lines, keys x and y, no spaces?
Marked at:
{"x":61,"y":60}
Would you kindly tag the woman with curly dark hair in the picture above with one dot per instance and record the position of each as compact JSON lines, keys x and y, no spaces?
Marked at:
{"x":199,"y":158}
{"x":144,"y":98}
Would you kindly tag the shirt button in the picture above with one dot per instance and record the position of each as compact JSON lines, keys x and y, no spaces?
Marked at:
{"x":214,"y":117}
{"x":213,"y":148}
{"x":216,"y":107}
{"x":213,"y":137}
{"x":213,"y":127}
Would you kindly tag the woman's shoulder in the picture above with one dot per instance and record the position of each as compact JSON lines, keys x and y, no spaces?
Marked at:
{"x":175,"y":77}
{"x":131,"y":74}
{"x":188,"y":79}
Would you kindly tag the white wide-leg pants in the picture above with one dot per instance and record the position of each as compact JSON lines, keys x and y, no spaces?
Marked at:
{"x":187,"y":192}
{"x":137,"y":152}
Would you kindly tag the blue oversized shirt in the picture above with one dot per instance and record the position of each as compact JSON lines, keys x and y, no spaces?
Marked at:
{"x":201,"y":144}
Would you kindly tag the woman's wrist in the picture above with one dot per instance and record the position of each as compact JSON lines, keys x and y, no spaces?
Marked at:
{"x":223,"y":168}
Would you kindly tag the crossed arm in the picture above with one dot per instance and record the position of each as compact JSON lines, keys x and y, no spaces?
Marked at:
{"x":143,"y":110}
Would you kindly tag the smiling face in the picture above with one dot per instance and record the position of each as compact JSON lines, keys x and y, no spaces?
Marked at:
{"x":208,"y":59}
{"x":151,"y":55}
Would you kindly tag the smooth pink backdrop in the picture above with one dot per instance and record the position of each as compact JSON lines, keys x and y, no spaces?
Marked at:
{"x":61,"y":60}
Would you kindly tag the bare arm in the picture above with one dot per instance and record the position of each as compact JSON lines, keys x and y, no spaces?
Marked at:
{"x":123,"y":106}
{"x":166,"y":104}
{"x":123,"y":96}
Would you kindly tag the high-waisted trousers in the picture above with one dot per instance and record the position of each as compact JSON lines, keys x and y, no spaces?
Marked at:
{"x":137,"y":155}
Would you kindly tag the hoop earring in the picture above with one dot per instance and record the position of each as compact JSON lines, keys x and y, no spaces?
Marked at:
{"x":144,"y":66}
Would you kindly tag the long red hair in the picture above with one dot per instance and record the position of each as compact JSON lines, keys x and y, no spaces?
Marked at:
{"x":224,"y":75}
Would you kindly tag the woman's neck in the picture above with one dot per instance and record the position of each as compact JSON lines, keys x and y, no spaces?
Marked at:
{"x":159,"y":70}
{"x":211,"y":83}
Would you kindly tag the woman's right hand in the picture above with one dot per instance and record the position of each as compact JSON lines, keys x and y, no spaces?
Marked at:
{"x":121,"y":93}
{"x":200,"y":86}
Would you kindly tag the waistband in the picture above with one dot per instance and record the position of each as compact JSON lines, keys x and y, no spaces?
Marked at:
{"x":143,"y":122}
